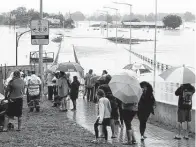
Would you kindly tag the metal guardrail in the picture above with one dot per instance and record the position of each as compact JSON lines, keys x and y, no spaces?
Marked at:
{"x":159,"y":65}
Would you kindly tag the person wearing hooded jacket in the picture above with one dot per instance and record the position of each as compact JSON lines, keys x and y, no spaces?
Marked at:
{"x":146,"y":106}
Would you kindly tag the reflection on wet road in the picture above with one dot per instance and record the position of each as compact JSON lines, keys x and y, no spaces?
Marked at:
{"x":157,"y":137}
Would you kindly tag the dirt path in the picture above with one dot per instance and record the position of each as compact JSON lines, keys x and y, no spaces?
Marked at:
{"x":48,"y":128}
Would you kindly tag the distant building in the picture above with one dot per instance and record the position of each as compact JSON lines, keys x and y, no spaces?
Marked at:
{"x":143,"y":24}
{"x":53,"y":22}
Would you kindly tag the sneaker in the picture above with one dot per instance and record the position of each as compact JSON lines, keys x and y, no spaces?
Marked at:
{"x":127,"y":143}
{"x":186,"y":137}
{"x":95,"y":141}
{"x":113,"y":137}
{"x":134,"y":142}
{"x":177,"y":137}
{"x":142,"y":138}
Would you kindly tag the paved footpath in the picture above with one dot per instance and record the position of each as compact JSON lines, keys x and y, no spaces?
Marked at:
{"x":156,"y":136}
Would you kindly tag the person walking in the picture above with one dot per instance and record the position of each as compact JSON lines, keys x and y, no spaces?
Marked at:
{"x":74,"y":91}
{"x":128,"y":112}
{"x":89,"y":86}
{"x":185,"y":93}
{"x":14,"y":93}
{"x":146,"y":106}
{"x":104,"y":115}
{"x":63,"y":91}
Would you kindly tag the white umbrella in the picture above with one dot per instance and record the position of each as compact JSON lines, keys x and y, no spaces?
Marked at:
{"x":142,"y":68}
{"x":126,"y":87}
{"x":181,"y":75}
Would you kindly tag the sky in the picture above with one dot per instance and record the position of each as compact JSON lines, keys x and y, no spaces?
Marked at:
{"x":89,"y":7}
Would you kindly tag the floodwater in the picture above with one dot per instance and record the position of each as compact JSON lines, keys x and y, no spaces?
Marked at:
{"x":94,"y":52}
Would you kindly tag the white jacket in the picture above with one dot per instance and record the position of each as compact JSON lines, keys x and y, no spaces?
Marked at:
{"x":104,"y":109}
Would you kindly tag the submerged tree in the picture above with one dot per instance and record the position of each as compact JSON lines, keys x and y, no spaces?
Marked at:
{"x":172,"y":21}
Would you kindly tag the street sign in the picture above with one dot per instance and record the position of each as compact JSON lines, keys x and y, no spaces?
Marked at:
{"x":39,"y":32}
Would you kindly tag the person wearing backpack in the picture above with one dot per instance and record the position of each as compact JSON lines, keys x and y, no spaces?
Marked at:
{"x":34,"y":92}
{"x":185,"y":93}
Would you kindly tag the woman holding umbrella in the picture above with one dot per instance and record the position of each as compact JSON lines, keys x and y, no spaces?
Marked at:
{"x":146,"y":106}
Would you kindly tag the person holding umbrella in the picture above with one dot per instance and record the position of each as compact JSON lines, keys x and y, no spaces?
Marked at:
{"x":146,"y":106}
{"x":185,"y":93}
{"x":185,"y":76}
{"x":126,"y":88}
{"x":63,"y":90}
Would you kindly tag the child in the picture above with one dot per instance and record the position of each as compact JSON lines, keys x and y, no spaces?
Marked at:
{"x":104,"y":114}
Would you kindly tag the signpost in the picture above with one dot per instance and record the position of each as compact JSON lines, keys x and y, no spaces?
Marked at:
{"x":40,"y":32}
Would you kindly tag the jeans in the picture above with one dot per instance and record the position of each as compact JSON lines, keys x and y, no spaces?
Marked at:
{"x":143,"y":117}
{"x":50,"y":92}
{"x":89,"y":94}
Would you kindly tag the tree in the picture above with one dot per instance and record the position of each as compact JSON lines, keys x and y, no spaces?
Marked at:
{"x":109,"y":18}
{"x":172,"y":21}
{"x":69,"y":23}
{"x":33,"y":15}
{"x":78,"y":16}
{"x":188,"y":16}
{"x":150,"y":17}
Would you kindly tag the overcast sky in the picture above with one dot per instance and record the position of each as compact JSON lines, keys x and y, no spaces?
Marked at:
{"x":90,"y":6}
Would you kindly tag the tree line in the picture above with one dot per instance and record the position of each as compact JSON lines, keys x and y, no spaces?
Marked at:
{"x":22,"y":16}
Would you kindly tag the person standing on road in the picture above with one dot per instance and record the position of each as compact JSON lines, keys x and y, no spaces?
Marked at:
{"x":50,"y":84}
{"x":63,"y":91}
{"x":114,"y":106}
{"x":185,"y":93}
{"x":74,"y":91}
{"x":34,"y":91}
{"x":89,"y":86}
{"x":146,"y":106}
{"x":104,"y":115}
{"x":14,"y":93}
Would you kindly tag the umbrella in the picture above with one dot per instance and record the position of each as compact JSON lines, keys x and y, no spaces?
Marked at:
{"x":69,"y":67}
{"x":181,"y":75}
{"x":126,"y":87}
{"x":52,"y":68}
{"x":143,"y":68}
{"x":94,"y":79}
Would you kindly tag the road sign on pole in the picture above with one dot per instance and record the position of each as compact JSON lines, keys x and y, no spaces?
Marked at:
{"x":40,"y":32}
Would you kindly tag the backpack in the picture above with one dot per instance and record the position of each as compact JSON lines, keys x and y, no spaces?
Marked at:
{"x":187,"y":99}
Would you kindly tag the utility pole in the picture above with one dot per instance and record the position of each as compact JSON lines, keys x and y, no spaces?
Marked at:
{"x":116,"y":21}
{"x":130,"y":5}
{"x":41,"y":51}
{"x":155,"y":46}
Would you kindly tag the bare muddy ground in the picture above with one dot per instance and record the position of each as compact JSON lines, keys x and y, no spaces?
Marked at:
{"x":48,"y":128}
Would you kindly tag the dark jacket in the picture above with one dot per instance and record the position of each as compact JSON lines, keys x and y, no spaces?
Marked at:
{"x":74,"y":90}
{"x":112,"y":99}
{"x":146,"y":103}
{"x":179,"y":92}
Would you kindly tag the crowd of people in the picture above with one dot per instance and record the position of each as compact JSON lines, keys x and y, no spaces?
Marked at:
{"x":110,"y":110}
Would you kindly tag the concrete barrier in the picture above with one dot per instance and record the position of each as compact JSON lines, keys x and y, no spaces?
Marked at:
{"x":167,"y":114}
